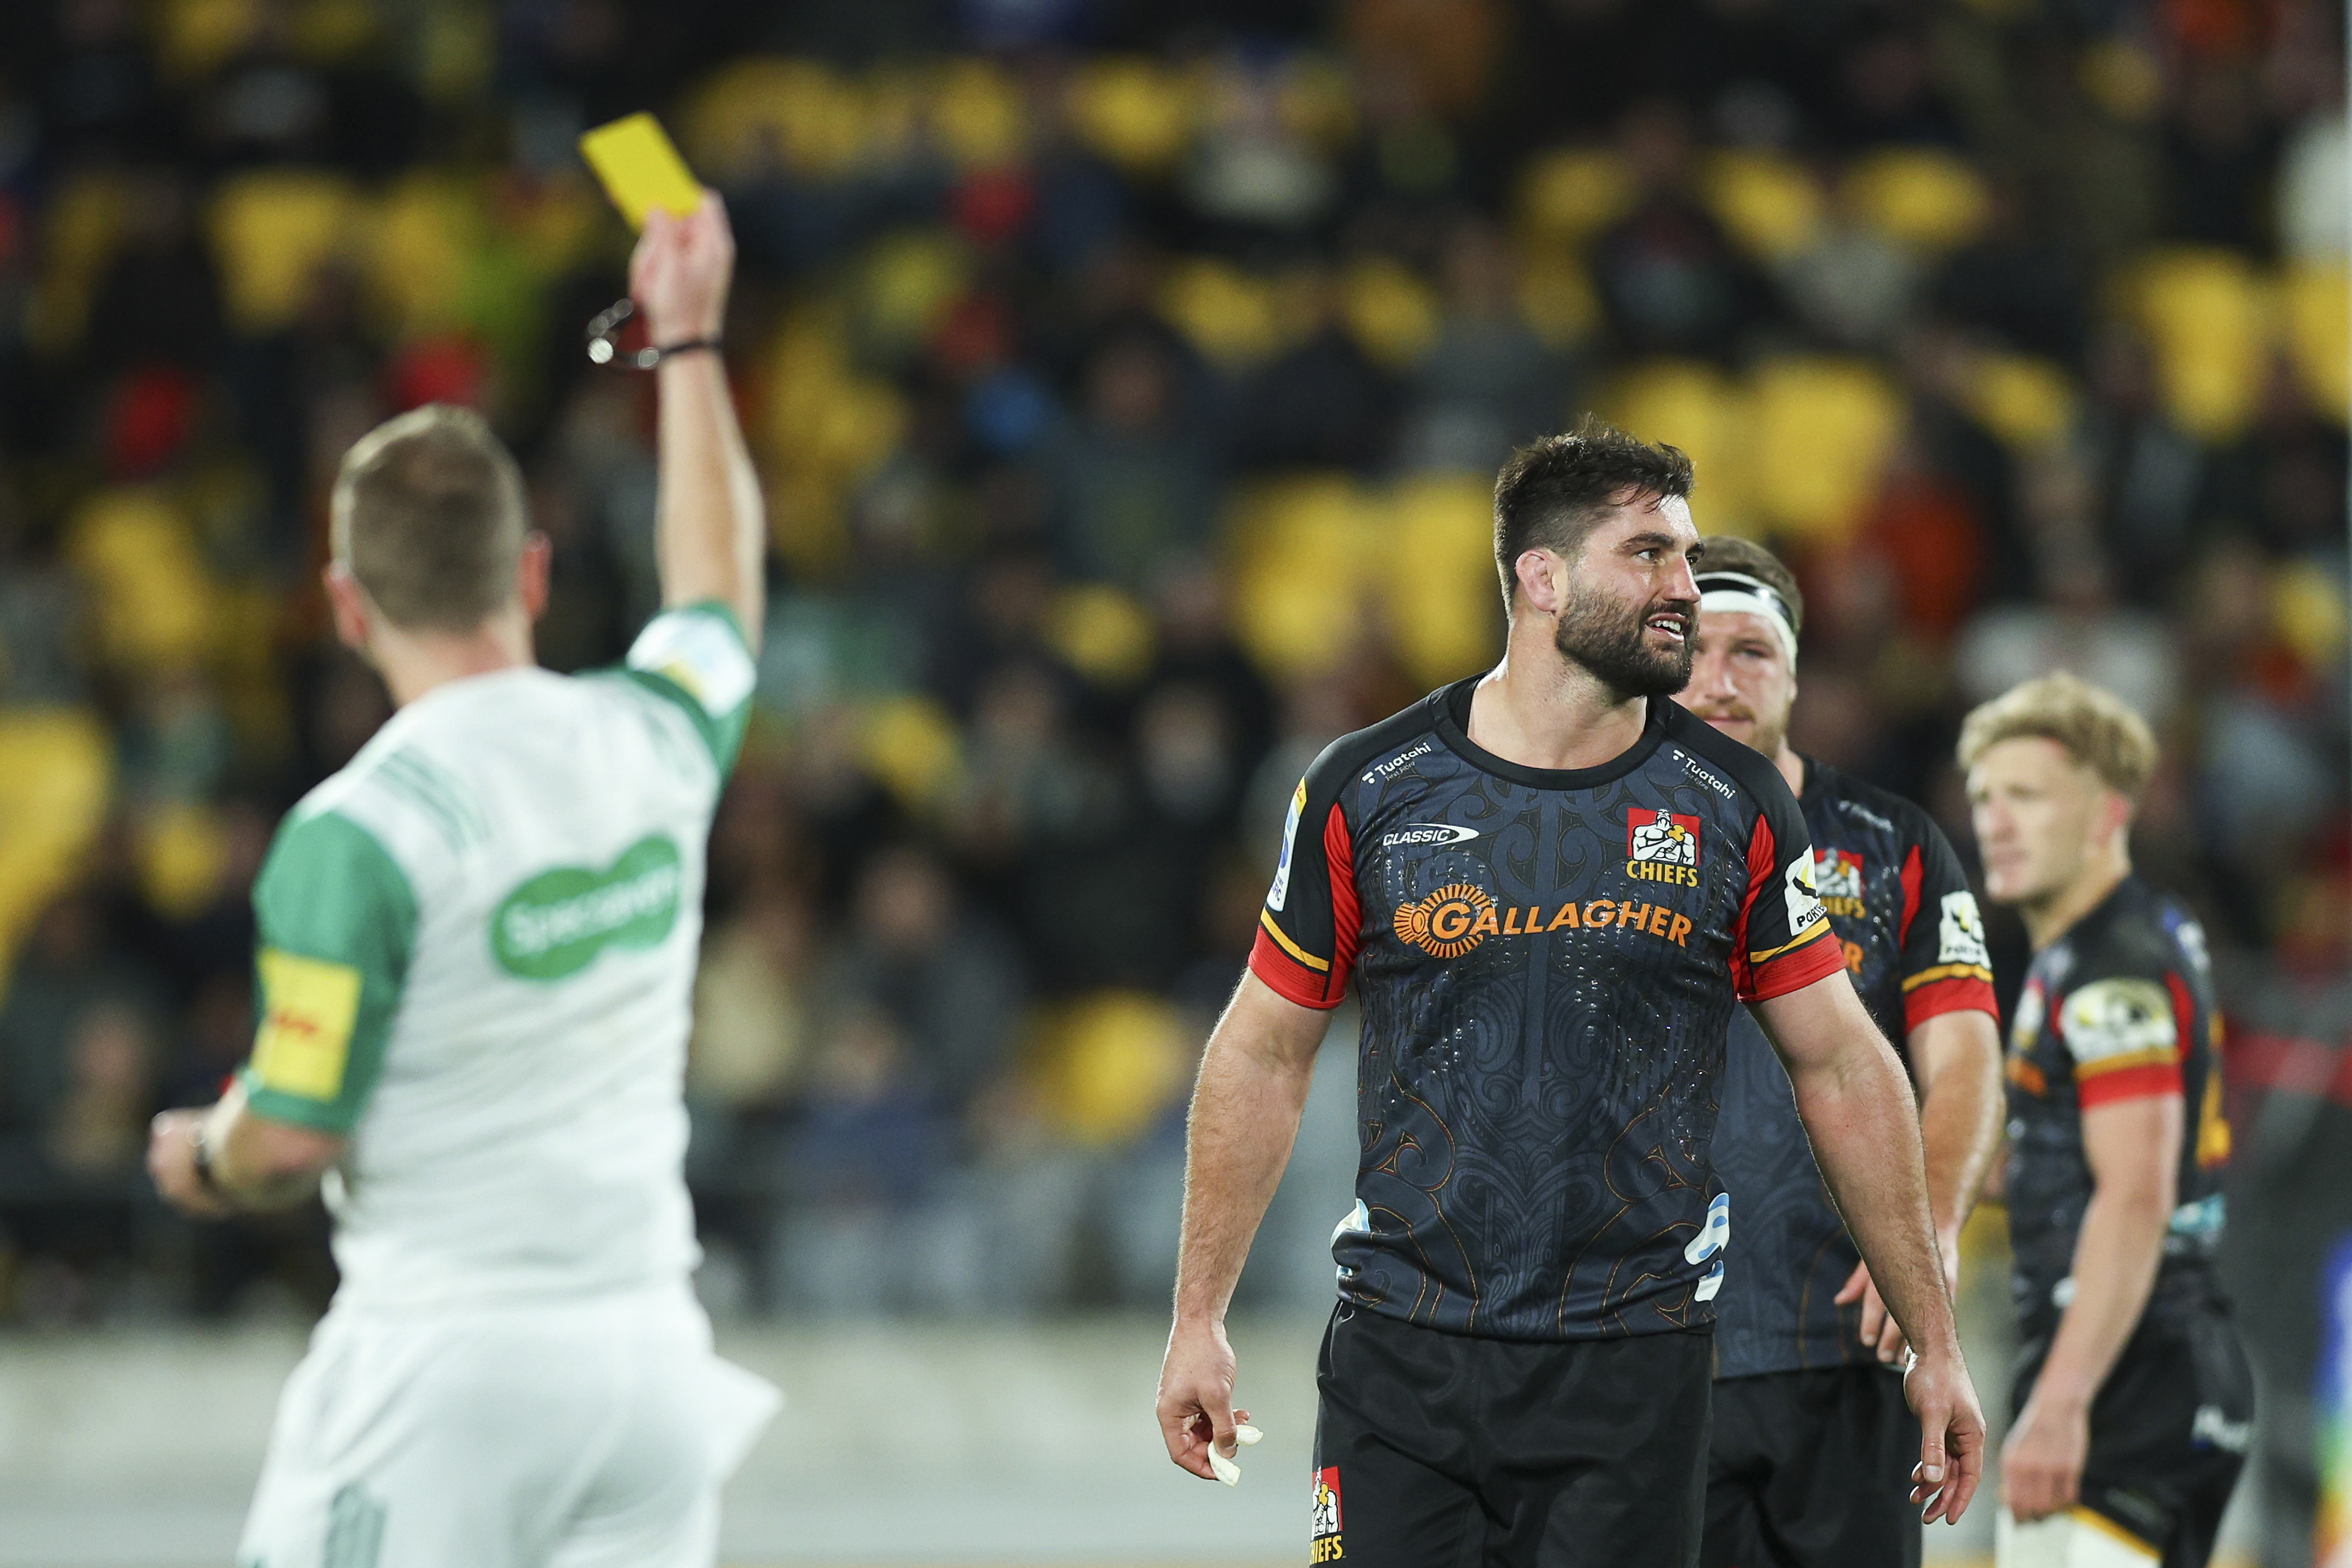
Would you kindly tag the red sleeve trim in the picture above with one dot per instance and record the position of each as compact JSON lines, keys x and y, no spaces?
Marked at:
{"x":1288,"y":978}
{"x":1759,"y":877}
{"x":1913,"y":875}
{"x":2131,"y":1083}
{"x":1795,"y":969}
{"x":1347,"y":914}
{"x":1962,"y":993}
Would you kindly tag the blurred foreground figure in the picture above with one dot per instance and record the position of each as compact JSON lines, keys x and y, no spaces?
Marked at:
{"x":1551,"y":885}
{"x":477,"y":945}
{"x":1811,"y":1457}
{"x":2133,"y":1399}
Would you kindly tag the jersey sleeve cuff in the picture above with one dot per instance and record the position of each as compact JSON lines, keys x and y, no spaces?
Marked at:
{"x":275,"y":1105}
{"x":1796,"y":968}
{"x":1288,"y":978}
{"x":1949,"y":994}
{"x":2149,"y":1082}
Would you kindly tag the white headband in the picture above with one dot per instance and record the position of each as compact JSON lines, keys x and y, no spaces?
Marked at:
{"x":1739,"y":594}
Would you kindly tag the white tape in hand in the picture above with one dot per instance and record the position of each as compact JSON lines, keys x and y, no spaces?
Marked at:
{"x":1226,"y":1471}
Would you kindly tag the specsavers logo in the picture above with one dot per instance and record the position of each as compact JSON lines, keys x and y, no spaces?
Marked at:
{"x":556,"y":924}
{"x":1662,"y":847}
{"x":1451,"y":920}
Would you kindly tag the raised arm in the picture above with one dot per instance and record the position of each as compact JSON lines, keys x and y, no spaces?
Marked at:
{"x":1245,"y":1110}
{"x":1857,"y":1108}
{"x":711,"y":530}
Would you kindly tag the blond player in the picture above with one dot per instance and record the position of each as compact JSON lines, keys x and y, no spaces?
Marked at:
{"x":476,"y":949}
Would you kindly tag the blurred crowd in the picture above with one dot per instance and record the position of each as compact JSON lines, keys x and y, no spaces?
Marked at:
{"x":1127,"y":379}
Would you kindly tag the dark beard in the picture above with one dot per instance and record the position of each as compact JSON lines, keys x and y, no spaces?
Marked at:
{"x":1609,"y":639}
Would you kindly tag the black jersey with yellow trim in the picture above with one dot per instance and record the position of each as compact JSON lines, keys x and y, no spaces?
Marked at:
{"x":1546,"y":961}
{"x":1911,"y":935}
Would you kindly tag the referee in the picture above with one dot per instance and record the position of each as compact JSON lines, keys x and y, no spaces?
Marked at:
{"x":1812,"y":1447}
{"x":1549,"y":885}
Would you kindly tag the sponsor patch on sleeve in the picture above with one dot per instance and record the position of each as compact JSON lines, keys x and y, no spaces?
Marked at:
{"x":2112,"y":1025}
{"x":1804,"y":904}
{"x":701,"y":655}
{"x":1960,"y":932}
{"x":309,"y":1007}
{"x":1280,"y":893}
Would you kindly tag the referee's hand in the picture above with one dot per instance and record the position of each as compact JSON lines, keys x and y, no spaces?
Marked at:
{"x":1951,"y":1435}
{"x":1196,"y":1397}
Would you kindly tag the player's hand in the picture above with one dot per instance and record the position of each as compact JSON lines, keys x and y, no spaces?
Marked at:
{"x":2042,"y":1462}
{"x":1196,"y":1397}
{"x":1879,"y":1330}
{"x":172,"y":1160}
{"x":679,"y":273}
{"x":1952,"y":1436}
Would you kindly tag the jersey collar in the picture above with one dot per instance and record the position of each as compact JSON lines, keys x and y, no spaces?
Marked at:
{"x":1449,"y":709}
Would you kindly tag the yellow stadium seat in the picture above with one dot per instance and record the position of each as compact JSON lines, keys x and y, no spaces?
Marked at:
{"x":1133,"y":111}
{"x":1299,"y":551}
{"x":1555,"y":294}
{"x":195,"y":37}
{"x":2027,"y":401}
{"x":2308,"y":612}
{"x":182,"y":852}
{"x":822,"y":427}
{"x":1769,"y":202}
{"x":1230,"y":316}
{"x":907,"y":284}
{"x":802,"y":114}
{"x":1699,"y":408}
{"x":979,"y":116}
{"x":152,"y":593}
{"x":271,"y":231}
{"x":80,"y":229}
{"x":2206,"y":318}
{"x":1574,"y":192}
{"x":1923,"y":197}
{"x":57,"y":781}
{"x":425,"y":233}
{"x":1389,"y":311}
{"x":1819,"y":431}
{"x":2319,"y":305}
{"x":1104,"y":632}
{"x":1437,"y":574}
{"x":1109,"y":1065}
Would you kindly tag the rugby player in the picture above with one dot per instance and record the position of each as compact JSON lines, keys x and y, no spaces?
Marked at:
{"x":477,"y":945}
{"x":1549,"y":885}
{"x":2133,"y":1394}
{"x":1809,"y":1462}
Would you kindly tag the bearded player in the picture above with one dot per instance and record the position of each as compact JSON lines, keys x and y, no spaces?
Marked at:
{"x":1809,"y":1461}
{"x":476,"y":952}
{"x":1549,"y":886}
{"x":2133,"y":1394}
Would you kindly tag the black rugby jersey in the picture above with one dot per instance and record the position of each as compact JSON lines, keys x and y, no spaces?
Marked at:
{"x":2119,"y":1007}
{"x":1546,"y":961}
{"x":1913,"y":943}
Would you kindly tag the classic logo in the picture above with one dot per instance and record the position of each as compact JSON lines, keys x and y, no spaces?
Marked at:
{"x":1662,"y":847}
{"x":1448,"y":923}
{"x":1325,"y":1535}
{"x":556,"y":924}
{"x":1458,"y":918}
{"x":1414,"y":835}
{"x":1837,"y":877}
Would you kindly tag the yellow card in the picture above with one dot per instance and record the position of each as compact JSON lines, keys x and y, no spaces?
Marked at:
{"x":641,"y":169}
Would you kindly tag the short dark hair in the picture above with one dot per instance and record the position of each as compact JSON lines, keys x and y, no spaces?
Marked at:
{"x":429,"y":516}
{"x":1551,"y":491}
{"x":1729,"y":553}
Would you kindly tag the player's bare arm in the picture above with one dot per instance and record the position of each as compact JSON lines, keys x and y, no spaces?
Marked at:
{"x":225,"y":1159}
{"x":711,"y":536}
{"x":1958,"y":1058}
{"x":1857,"y":1108}
{"x":1245,"y":1108}
{"x":2132,"y":1148}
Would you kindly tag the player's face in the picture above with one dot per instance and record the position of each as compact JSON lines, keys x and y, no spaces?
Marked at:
{"x":2039,"y":815}
{"x":1631,"y":605}
{"x":1741,"y":681}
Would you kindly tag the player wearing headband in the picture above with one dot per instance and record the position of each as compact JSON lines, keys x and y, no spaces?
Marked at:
{"x":2133,"y":1395}
{"x":1550,"y":887}
{"x":1812,"y":1447}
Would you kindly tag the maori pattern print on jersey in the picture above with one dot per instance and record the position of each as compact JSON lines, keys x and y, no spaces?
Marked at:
{"x":1545,"y":974}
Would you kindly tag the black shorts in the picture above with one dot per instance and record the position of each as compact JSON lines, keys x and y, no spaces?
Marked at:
{"x":1438,"y":1450}
{"x":2169,"y":1430}
{"x":1812,"y":1469}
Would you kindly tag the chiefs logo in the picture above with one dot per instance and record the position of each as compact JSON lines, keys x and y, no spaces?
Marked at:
{"x":1440,"y":923}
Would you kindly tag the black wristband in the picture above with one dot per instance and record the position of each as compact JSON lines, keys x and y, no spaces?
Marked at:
{"x":693,"y":345}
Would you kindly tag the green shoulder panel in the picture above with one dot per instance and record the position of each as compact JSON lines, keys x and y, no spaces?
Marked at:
{"x":337,"y":923}
{"x":696,"y":658}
